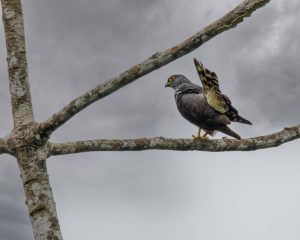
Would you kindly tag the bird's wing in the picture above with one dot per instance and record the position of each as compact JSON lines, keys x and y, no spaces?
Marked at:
{"x":233,"y":113}
{"x":211,"y":88}
{"x":196,"y":109}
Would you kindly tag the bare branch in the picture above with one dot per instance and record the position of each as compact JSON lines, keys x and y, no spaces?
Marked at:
{"x":3,"y":146}
{"x":156,"y":61}
{"x":219,"y":145}
{"x":17,"y":63}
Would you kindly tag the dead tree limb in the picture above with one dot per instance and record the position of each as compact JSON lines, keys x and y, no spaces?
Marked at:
{"x":161,"y":143}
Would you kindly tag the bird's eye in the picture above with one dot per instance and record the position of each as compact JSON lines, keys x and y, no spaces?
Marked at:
{"x":172,"y":78}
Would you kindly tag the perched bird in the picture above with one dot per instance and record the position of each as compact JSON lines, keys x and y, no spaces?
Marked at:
{"x":205,"y":107}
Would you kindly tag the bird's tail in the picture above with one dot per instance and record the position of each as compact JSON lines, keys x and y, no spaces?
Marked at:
{"x":235,"y":117}
{"x":242,"y":120}
{"x":228,"y":131}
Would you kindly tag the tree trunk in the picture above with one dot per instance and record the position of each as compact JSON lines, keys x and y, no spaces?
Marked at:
{"x":31,"y":149}
{"x":39,"y":198}
{"x":26,"y":142}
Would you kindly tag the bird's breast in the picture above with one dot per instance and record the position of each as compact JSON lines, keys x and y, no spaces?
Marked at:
{"x":192,"y":106}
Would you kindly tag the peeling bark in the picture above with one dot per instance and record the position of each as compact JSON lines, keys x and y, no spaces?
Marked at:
{"x":219,"y":145}
{"x":159,"y":59}
{"x":17,"y":64}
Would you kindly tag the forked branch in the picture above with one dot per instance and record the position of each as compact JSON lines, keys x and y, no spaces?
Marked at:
{"x":156,"y":61}
{"x":220,"y":145}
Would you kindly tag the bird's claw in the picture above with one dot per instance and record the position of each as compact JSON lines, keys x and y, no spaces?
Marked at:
{"x":199,"y":138}
{"x":204,"y":137}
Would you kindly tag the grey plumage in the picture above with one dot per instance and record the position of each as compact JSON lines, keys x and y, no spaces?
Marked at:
{"x":193,"y":106}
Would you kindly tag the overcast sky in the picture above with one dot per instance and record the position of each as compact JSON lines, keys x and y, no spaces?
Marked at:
{"x":74,"y":45}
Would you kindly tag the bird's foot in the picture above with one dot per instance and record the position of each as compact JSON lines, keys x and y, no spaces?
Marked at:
{"x":199,"y":138}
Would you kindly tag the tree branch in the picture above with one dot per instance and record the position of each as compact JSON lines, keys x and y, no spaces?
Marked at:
{"x":17,"y":64}
{"x":3,"y":146}
{"x":156,"y":61}
{"x":140,"y":144}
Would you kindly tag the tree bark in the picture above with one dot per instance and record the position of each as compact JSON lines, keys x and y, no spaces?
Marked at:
{"x":39,"y":198}
{"x":17,"y":63}
{"x":3,"y":146}
{"x":30,"y":148}
{"x":140,"y":144}
{"x":25,"y":142}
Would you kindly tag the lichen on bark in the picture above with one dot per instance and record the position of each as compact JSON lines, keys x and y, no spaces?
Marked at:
{"x":17,"y":62}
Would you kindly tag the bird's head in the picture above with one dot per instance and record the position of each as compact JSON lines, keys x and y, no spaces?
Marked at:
{"x":175,"y":81}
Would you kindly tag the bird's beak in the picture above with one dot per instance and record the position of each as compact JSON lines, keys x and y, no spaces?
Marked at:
{"x":167,"y":84}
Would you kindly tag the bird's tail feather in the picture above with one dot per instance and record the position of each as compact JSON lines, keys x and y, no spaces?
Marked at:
{"x":235,"y":117}
{"x":243,"y":120}
{"x":228,"y":131}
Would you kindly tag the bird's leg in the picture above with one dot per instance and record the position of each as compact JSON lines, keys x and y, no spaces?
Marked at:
{"x":199,"y":131}
{"x":204,"y":137}
{"x":198,"y":135}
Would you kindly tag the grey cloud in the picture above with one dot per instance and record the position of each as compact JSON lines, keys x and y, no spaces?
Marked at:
{"x":270,"y":78}
{"x":74,"y":45}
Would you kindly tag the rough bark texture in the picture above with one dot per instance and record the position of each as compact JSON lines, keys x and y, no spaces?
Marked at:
{"x":39,"y":199}
{"x":156,"y":61}
{"x":220,"y":145}
{"x":25,"y":142}
{"x":30,"y":148}
{"x":17,"y":63}
{"x":3,"y":146}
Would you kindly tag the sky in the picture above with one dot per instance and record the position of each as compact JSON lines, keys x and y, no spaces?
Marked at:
{"x":74,"y":45}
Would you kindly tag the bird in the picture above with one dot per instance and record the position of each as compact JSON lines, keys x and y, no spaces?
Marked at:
{"x":206,"y":107}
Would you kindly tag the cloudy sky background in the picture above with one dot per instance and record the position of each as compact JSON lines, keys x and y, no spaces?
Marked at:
{"x":74,"y":45}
